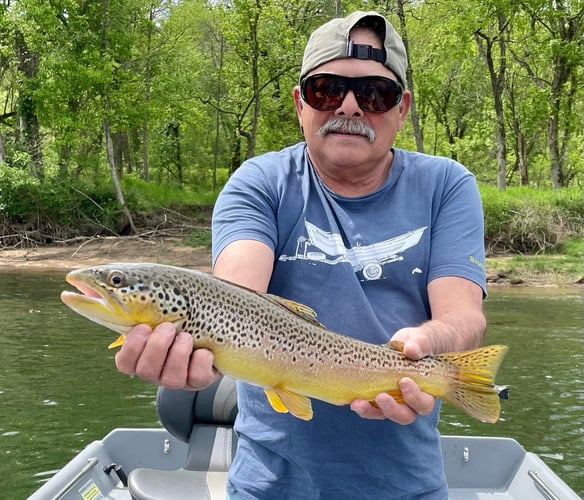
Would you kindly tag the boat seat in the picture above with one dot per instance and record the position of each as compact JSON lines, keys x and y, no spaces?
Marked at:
{"x":203,"y":419}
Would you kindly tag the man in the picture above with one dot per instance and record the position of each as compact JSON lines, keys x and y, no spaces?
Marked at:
{"x":381,"y":242}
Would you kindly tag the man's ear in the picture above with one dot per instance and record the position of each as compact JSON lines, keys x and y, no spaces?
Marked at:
{"x":404,"y":107}
{"x":298,"y":103}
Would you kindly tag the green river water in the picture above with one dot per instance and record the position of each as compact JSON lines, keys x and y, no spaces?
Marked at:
{"x":59,"y":389}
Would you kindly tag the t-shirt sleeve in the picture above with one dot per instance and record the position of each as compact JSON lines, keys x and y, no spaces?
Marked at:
{"x":245,"y":209}
{"x":458,"y":231}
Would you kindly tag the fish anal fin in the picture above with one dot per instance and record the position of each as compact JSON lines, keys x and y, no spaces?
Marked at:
{"x":284,"y":401}
{"x":301,"y":310}
{"x":118,"y":342}
{"x":395,"y":394}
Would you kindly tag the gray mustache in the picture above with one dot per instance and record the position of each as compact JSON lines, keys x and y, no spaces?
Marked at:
{"x":347,"y":126}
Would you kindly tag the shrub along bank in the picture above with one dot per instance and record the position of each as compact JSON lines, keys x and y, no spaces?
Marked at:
{"x":517,"y":221}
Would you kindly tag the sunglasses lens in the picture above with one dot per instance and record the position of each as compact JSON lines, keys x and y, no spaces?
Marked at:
{"x":324,"y":93}
{"x":374,"y":94}
{"x":377,"y":96}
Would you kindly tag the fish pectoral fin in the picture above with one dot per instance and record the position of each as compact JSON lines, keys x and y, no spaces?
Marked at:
{"x":284,"y":401}
{"x":118,"y":342}
{"x":395,"y":345}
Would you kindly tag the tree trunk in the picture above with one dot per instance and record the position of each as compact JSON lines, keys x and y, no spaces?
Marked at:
{"x":410,"y":79}
{"x":109,"y":150}
{"x":497,"y":77}
{"x":114,"y":175}
{"x":520,"y":142}
{"x":560,"y":77}
{"x":522,"y":160}
{"x":28,"y":119}
{"x":255,"y":55}
{"x":235,"y":152}
{"x":561,"y":73}
{"x":217,"y":113}
{"x":147,"y":91}
{"x":118,"y":151}
{"x":2,"y":150}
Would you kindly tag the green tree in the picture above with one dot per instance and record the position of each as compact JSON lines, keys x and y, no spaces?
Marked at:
{"x":557,"y":28}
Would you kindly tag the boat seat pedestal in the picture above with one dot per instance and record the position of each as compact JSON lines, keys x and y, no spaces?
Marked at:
{"x":203,"y":419}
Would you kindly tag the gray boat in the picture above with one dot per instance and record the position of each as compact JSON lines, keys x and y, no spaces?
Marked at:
{"x":189,"y":458}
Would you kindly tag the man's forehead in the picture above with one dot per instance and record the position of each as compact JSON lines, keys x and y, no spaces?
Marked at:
{"x":365,"y":35}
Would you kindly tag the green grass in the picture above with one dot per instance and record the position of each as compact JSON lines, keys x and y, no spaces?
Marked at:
{"x":564,"y":267}
{"x":198,"y":237}
{"x":150,"y":196}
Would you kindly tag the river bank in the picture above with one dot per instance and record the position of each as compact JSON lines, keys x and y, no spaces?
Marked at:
{"x":100,"y":250}
{"x":501,"y":270}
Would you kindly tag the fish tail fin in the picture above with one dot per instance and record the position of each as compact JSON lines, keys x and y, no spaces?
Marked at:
{"x":473,"y":389}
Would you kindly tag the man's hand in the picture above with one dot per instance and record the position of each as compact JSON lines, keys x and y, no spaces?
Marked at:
{"x":165,"y":358}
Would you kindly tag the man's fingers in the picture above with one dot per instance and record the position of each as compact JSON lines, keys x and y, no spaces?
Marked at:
{"x":416,"y":401}
{"x":421,"y":402}
{"x":165,"y":358}
{"x":151,"y":361}
{"x":201,"y":372}
{"x":174,"y":371}
{"x":365,"y":409}
{"x":127,"y":357}
{"x":391,"y":409}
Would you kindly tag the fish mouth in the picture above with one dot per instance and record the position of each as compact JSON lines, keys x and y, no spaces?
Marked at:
{"x":104,"y":309}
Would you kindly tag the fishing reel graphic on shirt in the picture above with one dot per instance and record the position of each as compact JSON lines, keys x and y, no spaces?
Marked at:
{"x":372,"y":271}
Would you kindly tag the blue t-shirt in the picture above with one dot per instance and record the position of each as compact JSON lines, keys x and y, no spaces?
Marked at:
{"x":363,"y":264}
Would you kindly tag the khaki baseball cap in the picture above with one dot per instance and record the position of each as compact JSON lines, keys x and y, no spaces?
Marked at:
{"x":331,"y":41}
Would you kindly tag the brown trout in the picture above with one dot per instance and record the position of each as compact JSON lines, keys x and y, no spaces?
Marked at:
{"x":275,"y":343}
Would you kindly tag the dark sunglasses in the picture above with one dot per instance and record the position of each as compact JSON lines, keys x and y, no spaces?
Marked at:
{"x":374,"y":94}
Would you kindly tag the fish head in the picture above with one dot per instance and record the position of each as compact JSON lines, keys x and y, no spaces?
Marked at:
{"x":120,"y":296}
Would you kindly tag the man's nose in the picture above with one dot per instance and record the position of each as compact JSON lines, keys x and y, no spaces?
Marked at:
{"x":349,"y":106}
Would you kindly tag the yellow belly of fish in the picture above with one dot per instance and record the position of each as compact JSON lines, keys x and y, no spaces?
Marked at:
{"x":288,"y":385}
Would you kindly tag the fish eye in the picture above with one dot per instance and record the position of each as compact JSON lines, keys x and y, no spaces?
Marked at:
{"x":117,"y":279}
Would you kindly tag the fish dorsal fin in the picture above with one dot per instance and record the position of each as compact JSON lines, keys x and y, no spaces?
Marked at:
{"x":284,"y":401}
{"x":305,"y":312}
{"x":301,"y":310}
